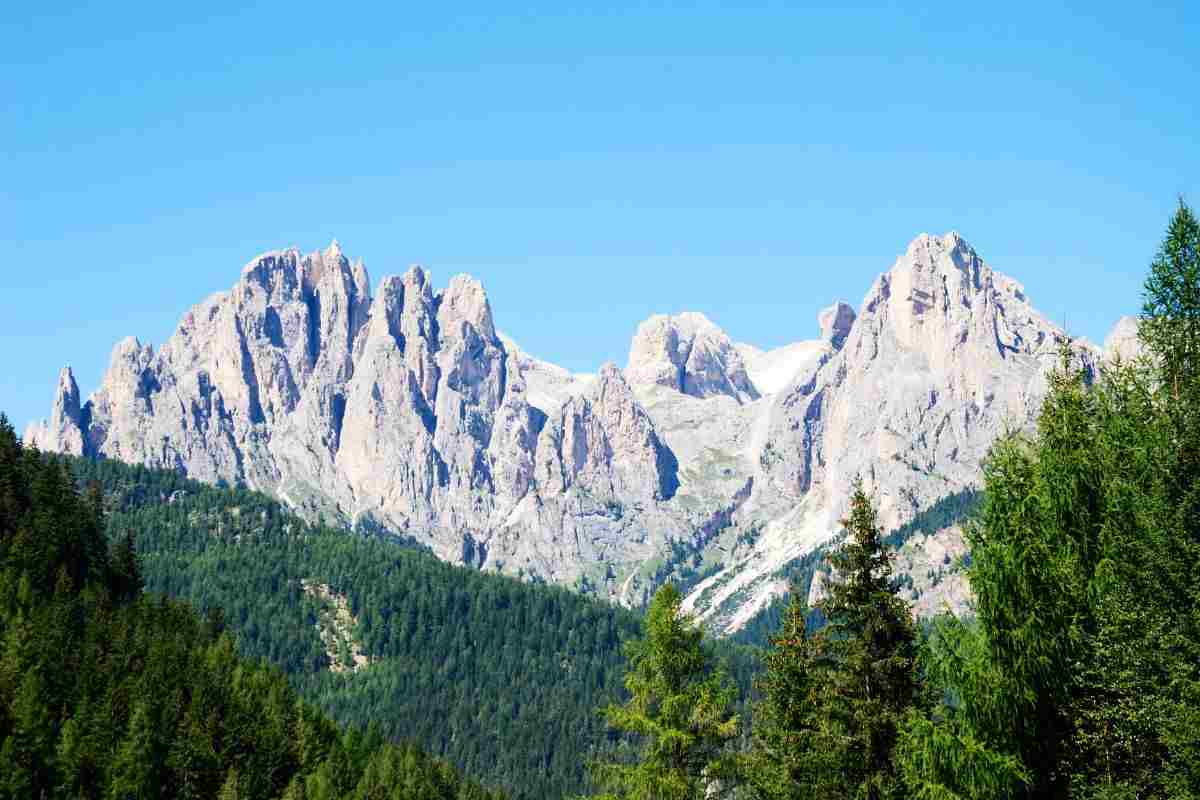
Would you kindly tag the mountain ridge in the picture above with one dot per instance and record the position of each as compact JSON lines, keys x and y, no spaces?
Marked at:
{"x":410,"y":410}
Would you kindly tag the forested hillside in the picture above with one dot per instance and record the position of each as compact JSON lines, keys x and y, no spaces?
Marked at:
{"x":498,"y":676}
{"x":106,"y":692}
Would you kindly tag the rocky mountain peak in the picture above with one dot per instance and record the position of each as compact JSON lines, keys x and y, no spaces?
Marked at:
{"x":1122,"y":341}
{"x":604,"y":442}
{"x":62,"y":432}
{"x":465,"y":301}
{"x":688,"y":353}
{"x":835,"y":322}
{"x":68,"y":389}
{"x":417,"y":279}
{"x":941,"y":299}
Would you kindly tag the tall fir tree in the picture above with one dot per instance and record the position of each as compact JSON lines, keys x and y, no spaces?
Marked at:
{"x":789,"y":748}
{"x":1170,"y":322}
{"x":833,"y":701}
{"x":871,"y":650}
{"x":680,"y":707}
{"x":1011,"y":675}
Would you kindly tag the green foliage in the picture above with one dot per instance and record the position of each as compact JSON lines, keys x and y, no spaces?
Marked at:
{"x":788,"y":747}
{"x":1170,"y":322}
{"x":869,"y":654}
{"x":499,"y":677}
{"x":833,"y":701}
{"x":953,"y":509}
{"x":680,"y":709}
{"x":105,"y":693}
{"x":1081,"y":676}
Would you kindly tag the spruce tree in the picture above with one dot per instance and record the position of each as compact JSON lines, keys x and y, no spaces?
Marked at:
{"x":680,"y":709}
{"x":790,"y":748}
{"x":1170,"y":321}
{"x":1011,"y":675}
{"x":871,"y":654}
{"x":127,"y":573}
{"x":833,"y":701}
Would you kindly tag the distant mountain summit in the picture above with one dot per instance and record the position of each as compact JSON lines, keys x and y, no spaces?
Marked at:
{"x":409,"y":411}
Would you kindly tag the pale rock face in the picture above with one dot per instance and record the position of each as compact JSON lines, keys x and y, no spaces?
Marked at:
{"x":818,"y":589}
{"x":63,"y":431}
{"x":407,"y":411}
{"x":548,"y":385}
{"x":605,"y":442}
{"x":944,"y":356}
{"x":939,"y":582}
{"x":835,"y":322}
{"x":690,"y":354}
{"x":1123,"y":342}
{"x":774,"y":370}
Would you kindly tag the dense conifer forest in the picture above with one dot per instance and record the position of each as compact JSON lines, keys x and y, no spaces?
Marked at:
{"x":106,"y":692}
{"x":500,"y":677}
{"x":953,"y":509}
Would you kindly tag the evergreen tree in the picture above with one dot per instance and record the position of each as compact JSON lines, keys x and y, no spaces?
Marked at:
{"x":790,"y":748}
{"x":127,"y":573}
{"x":1170,"y":321}
{"x":105,"y":693}
{"x":833,"y":701}
{"x":870,"y":655}
{"x":456,"y":655}
{"x":1012,"y":675}
{"x":679,"y":706}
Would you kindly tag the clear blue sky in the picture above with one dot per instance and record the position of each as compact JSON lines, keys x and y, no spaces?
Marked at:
{"x":591,"y":165}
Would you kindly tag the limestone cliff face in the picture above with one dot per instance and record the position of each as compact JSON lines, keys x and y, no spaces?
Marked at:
{"x":604,"y":441}
{"x":62,"y":432}
{"x":1123,"y":342}
{"x":944,"y":355}
{"x":689,"y":354}
{"x":406,"y":410}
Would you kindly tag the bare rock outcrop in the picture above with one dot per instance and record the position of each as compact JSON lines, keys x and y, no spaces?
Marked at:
{"x":404,"y":410}
{"x":62,"y":432}
{"x":1122,"y":341}
{"x":945,"y":355}
{"x":690,"y":354}
{"x":407,"y":411}
{"x":605,"y":442}
{"x":835,"y":322}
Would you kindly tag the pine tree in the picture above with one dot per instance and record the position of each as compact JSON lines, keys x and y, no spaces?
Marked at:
{"x":790,"y":748}
{"x":871,"y":647}
{"x":680,"y":707}
{"x":833,"y":701}
{"x":1079,"y":678}
{"x":1012,"y":675}
{"x":1170,"y":321}
{"x":127,"y":573}
{"x":134,"y":771}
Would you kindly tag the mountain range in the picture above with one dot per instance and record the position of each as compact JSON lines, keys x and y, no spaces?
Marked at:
{"x":406,"y":410}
